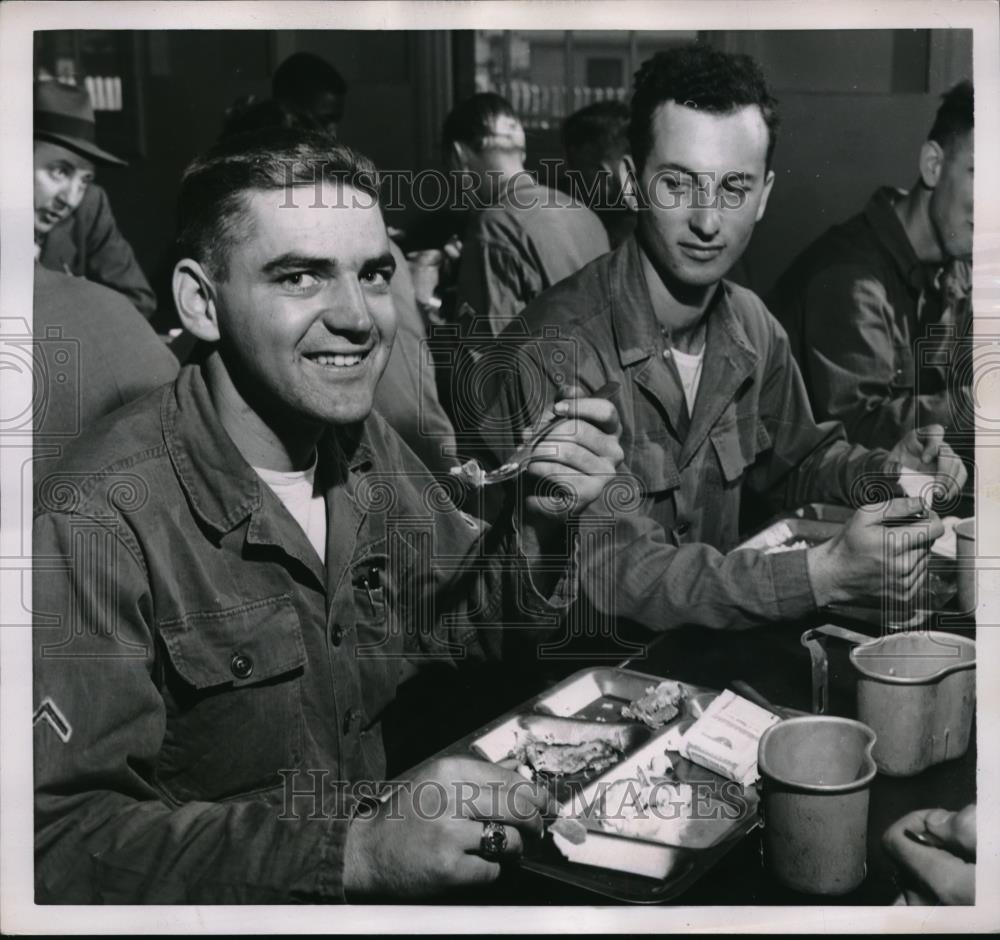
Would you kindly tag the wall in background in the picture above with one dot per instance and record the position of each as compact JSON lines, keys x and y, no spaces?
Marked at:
{"x":190,"y":77}
{"x":855,"y":108}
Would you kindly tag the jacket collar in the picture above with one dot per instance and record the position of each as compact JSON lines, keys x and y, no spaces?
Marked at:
{"x":730,"y":357}
{"x":222,"y":487}
{"x":881,"y":216}
{"x":633,"y":321}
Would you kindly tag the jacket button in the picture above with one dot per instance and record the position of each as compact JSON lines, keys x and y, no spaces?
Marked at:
{"x":337,"y":637}
{"x":682,"y":529}
{"x":241,"y":666}
{"x":350,"y":716}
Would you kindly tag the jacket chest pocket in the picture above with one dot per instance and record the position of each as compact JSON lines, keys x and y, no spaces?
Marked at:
{"x":379,"y":643}
{"x":233,"y":685}
{"x":737,"y":445}
{"x":652,"y":461}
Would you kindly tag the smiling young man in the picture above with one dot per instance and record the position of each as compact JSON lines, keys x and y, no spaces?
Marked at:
{"x":714,"y":415}
{"x":75,"y":230}
{"x":239,"y":565}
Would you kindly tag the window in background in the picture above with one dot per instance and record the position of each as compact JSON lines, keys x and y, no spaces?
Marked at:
{"x":605,"y":72}
{"x":548,"y":74}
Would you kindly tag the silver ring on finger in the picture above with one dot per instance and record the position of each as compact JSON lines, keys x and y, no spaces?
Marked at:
{"x":493,"y":842}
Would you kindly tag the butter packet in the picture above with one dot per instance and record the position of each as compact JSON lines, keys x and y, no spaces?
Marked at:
{"x":725,"y":737}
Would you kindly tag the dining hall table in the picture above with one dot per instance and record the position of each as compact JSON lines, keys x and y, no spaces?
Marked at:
{"x":774,"y":663}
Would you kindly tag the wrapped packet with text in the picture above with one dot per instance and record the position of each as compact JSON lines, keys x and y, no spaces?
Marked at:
{"x":725,"y":737}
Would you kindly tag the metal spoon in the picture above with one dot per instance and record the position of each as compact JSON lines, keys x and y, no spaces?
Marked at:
{"x":472,"y":474}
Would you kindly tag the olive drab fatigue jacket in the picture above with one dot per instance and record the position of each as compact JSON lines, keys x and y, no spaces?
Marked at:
{"x":659,"y":550}
{"x":208,"y":691}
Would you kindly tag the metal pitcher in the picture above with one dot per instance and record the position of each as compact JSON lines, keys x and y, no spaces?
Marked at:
{"x":917,"y":691}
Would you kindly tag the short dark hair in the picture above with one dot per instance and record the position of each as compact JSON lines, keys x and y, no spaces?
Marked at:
{"x":302,"y":77}
{"x":955,"y":115}
{"x":472,"y":121}
{"x":601,"y":127}
{"x":211,"y":207}
{"x":698,"y":76}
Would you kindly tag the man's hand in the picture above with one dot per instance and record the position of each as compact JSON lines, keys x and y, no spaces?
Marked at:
{"x":924,"y":450}
{"x":425,"y":838}
{"x":870,"y":560}
{"x":577,"y":458}
{"x":944,"y":871}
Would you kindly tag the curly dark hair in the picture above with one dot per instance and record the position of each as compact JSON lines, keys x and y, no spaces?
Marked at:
{"x":955,"y":115}
{"x":698,"y":76}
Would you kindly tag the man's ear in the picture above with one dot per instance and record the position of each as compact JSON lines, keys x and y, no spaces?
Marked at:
{"x":628,"y":182}
{"x":768,"y":185}
{"x":931,"y":162}
{"x":194,"y":297}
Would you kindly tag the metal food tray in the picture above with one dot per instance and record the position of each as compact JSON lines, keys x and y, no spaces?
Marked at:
{"x":591,"y":697}
{"x":793,"y":529}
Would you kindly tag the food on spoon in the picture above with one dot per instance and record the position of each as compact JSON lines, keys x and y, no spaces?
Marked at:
{"x":470,"y":473}
{"x":658,"y":705}
{"x":473,"y":475}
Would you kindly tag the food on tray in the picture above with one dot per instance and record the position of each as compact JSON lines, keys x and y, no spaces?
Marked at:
{"x":572,"y":830}
{"x":561,"y":746}
{"x":558,"y":759}
{"x":659,"y":812}
{"x":771,"y":537}
{"x":725,"y":738}
{"x":796,"y":546}
{"x":657,"y":706}
{"x":664,"y":811}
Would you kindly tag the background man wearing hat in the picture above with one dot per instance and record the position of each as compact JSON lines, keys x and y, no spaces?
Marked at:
{"x":75,"y":230}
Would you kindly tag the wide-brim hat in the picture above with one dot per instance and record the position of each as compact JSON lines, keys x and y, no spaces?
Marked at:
{"x":64,"y":115}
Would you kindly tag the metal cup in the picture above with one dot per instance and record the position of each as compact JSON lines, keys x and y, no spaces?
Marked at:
{"x":965,"y":554}
{"x":918,"y":691}
{"x":816,"y":772}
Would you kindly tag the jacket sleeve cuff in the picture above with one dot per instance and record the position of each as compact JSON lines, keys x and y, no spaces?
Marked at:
{"x":567,"y":587}
{"x":793,"y":592}
{"x":330,"y":867}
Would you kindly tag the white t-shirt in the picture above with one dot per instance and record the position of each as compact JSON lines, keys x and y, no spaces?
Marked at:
{"x":689,"y":370}
{"x":297,"y":491}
